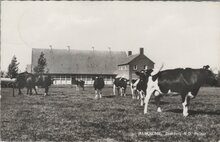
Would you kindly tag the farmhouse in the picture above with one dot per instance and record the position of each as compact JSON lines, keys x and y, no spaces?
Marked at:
{"x":66,"y":64}
{"x":133,"y":63}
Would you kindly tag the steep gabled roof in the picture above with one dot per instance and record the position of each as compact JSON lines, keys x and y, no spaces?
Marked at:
{"x":130,"y":58}
{"x":73,"y":61}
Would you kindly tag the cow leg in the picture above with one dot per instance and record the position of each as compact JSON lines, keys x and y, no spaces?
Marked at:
{"x":30,"y":90}
{"x":27,"y":90}
{"x":96,"y":94}
{"x":121,"y":90}
{"x":132,"y":91}
{"x":185,"y":103}
{"x":142,"y":97}
{"x":124,"y":91}
{"x":19,"y":91}
{"x":138,"y":94}
{"x":114,"y":89}
{"x":35,"y":90}
{"x":46,"y":91}
{"x":100,"y":94}
{"x":157,"y":100}
{"x":147,"y":98}
{"x":118,"y":91}
{"x":77,"y":88}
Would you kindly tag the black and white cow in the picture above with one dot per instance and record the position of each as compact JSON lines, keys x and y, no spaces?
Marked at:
{"x":79,"y":83}
{"x":141,"y":83}
{"x":121,"y":84}
{"x":185,"y":82}
{"x":98,"y":86}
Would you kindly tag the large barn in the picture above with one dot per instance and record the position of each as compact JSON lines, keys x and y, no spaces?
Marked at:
{"x":66,"y":64}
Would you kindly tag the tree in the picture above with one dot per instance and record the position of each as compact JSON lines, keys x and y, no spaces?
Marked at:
{"x":42,"y":62}
{"x":13,"y":68}
{"x":218,"y":78}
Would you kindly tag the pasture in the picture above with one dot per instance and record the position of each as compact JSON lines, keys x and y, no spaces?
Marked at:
{"x":70,"y":115}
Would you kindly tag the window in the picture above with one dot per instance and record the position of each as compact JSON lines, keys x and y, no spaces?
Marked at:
{"x":145,"y":67}
{"x":120,"y":67}
{"x":135,"y":67}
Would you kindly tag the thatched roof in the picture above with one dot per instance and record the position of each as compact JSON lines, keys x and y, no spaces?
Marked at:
{"x":63,"y":61}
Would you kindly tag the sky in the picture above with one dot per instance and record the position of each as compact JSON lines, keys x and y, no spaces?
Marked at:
{"x":177,"y":34}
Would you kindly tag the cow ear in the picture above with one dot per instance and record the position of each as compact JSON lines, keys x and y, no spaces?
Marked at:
{"x":206,"y":67}
{"x":150,"y":71}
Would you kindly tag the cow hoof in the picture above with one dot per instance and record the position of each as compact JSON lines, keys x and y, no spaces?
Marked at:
{"x":185,"y":114}
{"x":45,"y":94}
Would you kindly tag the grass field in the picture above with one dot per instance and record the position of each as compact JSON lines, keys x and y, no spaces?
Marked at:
{"x":70,"y":115}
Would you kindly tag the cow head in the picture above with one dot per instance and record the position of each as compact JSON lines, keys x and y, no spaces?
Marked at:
{"x":97,"y":78}
{"x":124,"y":79}
{"x":94,"y":77}
{"x":210,"y":77}
{"x":144,"y":74}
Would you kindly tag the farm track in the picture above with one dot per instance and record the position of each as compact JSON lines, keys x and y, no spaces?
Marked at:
{"x":70,"y":115}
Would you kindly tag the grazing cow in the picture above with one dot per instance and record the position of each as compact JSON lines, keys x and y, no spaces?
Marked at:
{"x":141,"y":83}
{"x":25,"y":79}
{"x":79,"y":83}
{"x":44,"y":81}
{"x":98,"y":86}
{"x":121,"y":84}
{"x":185,"y":82}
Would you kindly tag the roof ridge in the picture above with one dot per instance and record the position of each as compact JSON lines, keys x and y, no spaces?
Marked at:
{"x":77,"y":50}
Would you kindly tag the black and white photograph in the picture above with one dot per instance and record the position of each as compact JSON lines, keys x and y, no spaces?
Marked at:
{"x":110,"y":71}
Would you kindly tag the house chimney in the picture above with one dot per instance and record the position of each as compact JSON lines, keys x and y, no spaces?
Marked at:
{"x":142,"y":51}
{"x":129,"y":53}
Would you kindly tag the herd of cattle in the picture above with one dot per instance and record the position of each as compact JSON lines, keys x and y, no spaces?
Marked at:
{"x":185,"y":82}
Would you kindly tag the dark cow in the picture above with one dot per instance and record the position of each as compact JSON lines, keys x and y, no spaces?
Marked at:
{"x":121,"y":84}
{"x":141,"y":83}
{"x":185,"y":82}
{"x":43,"y":81}
{"x":27,"y":80}
{"x":79,"y":83}
{"x":98,"y":86}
